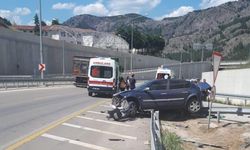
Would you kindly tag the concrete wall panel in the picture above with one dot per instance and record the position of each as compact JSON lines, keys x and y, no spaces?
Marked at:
{"x":230,"y":81}
{"x":19,"y":55}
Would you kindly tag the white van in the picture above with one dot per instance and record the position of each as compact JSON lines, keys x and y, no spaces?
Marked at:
{"x":103,"y":76}
{"x":163,"y":73}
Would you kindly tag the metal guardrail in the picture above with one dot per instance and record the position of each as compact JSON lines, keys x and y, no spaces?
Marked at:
{"x":14,"y":82}
{"x":245,"y":98}
{"x":155,"y":131}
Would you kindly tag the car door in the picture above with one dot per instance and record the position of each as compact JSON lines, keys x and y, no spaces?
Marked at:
{"x":156,"y":92}
{"x":177,"y":93}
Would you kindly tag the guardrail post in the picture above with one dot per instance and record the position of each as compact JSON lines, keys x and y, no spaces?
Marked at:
{"x":28,"y":84}
{"x":17,"y":84}
{"x":5,"y":85}
{"x":227,"y":99}
{"x":218,"y":117}
{"x":245,"y":102}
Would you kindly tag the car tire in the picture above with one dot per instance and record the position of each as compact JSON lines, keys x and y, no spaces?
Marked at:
{"x":90,"y":93}
{"x":132,"y":109}
{"x":193,"y":106}
{"x":117,"y":115}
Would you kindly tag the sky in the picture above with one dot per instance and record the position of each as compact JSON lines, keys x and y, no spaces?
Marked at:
{"x":23,"y":11}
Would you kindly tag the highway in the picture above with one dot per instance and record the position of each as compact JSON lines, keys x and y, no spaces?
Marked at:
{"x":24,"y":115}
{"x":24,"y":111}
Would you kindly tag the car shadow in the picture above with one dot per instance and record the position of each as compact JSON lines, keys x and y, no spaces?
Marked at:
{"x":102,"y":96}
{"x":181,"y":115}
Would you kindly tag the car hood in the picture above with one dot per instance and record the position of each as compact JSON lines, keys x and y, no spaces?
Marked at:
{"x":125,"y":93}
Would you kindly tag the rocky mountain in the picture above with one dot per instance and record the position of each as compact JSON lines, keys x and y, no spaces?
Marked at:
{"x":227,"y":27}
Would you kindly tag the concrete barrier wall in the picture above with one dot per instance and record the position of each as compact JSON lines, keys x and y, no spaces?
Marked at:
{"x":19,"y":55}
{"x":187,"y":71}
{"x":230,"y":81}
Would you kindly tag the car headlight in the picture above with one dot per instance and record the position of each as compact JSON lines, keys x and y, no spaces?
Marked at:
{"x":124,"y":104}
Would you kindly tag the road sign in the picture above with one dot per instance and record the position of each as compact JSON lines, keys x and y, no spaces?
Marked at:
{"x":216,"y":63}
{"x":42,"y":67}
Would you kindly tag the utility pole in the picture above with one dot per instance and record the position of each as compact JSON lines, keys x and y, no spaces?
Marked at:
{"x":41,"y":40}
{"x":180,"y":69}
{"x":63,"y":58}
{"x":131,"y":52}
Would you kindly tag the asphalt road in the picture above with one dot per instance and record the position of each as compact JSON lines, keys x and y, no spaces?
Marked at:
{"x":25,"y":111}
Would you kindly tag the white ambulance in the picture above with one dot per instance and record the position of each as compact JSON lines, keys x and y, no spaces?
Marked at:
{"x":103,"y":76}
{"x":164,"y":73}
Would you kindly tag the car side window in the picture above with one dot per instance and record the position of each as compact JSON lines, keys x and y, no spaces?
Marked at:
{"x":159,"y":85}
{"x":174,"y":84}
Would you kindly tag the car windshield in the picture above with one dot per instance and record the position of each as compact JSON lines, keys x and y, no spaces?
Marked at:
{"x":101,"y":71}
{"x":143,"y":85}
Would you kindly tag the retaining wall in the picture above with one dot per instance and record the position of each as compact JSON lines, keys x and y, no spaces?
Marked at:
{"x":19,"y":55}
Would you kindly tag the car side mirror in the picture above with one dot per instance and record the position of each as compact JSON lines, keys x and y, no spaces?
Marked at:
{"x":146,"y":89}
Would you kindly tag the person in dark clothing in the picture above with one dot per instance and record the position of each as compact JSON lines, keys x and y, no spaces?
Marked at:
{"x":132,"y":82}
{"x":127,"y":83}
{"x":205,"y":89}
{"x":122,"y":84}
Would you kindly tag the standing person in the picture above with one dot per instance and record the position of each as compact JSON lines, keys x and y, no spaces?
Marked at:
{"x":127,"y":83}
{"x":122,"y":84}
{"x":205,"y":88}
{"x":132,"y":82}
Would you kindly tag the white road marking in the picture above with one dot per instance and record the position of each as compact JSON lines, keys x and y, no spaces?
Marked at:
{"x":34,"y":89}
{"x":99,"y":113}
{"x":83,"y":144}
{"x":105,"y":121}
{"x":99,"y":131}
{"x":107,"y":106}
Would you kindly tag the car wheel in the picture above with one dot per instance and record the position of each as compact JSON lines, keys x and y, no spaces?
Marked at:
{"x":193,"y":106}
{"x":132,"y":109}
{"x":90,"y":93}
{"x":117,"y":115}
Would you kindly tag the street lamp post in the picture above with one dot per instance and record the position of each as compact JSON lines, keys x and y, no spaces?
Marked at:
{"x":63,"y":46}
{"x":41,"y":41}
{"x":132,"y":40}
{"x":63,"y":59}
{"x":180,"y":71}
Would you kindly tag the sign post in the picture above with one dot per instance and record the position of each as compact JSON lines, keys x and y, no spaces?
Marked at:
{"x":216,"y":64}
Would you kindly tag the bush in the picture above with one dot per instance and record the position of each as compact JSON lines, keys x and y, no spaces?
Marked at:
{"x":171,"y":141}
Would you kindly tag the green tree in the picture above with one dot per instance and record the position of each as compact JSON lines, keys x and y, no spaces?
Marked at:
{"x":36,"y":22}
{"x":44,"y":23}
{"x":55,"y":22}
{"x":153,"y":44}
{"x":6,"y":21}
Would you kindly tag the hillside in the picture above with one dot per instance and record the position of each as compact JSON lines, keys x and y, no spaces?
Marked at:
{"x":227,"y":27}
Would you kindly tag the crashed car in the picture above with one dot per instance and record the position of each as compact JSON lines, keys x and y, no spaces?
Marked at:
{"x":161,"y":94}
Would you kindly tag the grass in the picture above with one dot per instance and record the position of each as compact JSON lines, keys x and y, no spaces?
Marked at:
{"x":171,"y":141}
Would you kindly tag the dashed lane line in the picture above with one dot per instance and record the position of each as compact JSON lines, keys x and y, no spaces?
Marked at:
{"x":99,"y":131}
{"x":83,"y":144}
{"x":96,"y":112}
{"x":105,"y":121}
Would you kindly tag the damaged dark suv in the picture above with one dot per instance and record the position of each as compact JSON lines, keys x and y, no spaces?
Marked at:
{"x":159,"y":95}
